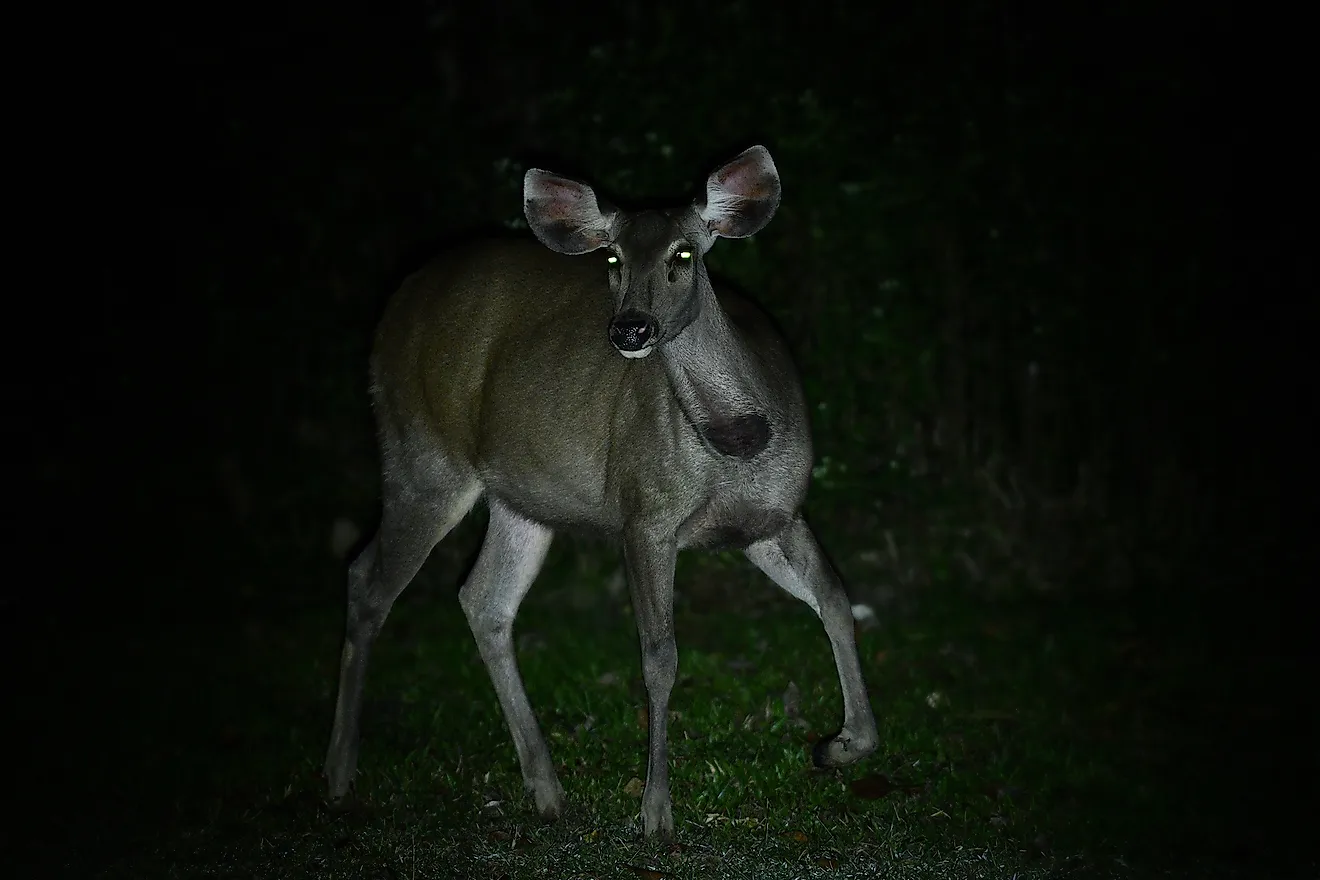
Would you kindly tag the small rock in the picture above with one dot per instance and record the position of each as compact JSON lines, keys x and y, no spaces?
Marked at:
{"x":792,"y":700}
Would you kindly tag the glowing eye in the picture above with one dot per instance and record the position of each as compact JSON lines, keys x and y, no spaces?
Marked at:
{"x":685,"y":255}
{"x":611,"y":259}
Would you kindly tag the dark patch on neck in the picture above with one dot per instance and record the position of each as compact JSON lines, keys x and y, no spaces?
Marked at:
{"x":743,"y":436}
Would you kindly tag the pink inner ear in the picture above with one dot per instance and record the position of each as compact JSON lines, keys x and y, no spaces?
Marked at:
{"x":744,"y":179}
{"x":561,"y":200}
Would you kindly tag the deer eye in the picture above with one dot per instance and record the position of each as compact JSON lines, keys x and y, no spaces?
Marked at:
{"x":684,"y":255}
{"x":612,"y":260}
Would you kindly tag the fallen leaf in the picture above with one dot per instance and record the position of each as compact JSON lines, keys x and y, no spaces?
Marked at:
{"x":643,"y":718}
{"x":634,"y":787}
{"x":799,"y":836}
{"x":648,"y":873}
{"x":876,"y":786}
{"x":828,"y":863}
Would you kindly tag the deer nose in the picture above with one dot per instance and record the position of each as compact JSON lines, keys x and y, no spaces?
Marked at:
{"x":633,"y":333}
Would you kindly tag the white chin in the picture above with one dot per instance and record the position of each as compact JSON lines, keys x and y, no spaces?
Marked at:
{"x":640,"y":353}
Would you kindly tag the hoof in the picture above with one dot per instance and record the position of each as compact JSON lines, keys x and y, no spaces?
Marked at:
{"x":343,"y":804}
{"x":658,"y":824}
{"x":550,"y":811}
{"x":841,"y":749}
{"x":549,"y":801}
{"x":338,"y":775}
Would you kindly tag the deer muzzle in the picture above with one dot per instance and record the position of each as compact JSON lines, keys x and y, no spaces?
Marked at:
{"x":633,"y":333}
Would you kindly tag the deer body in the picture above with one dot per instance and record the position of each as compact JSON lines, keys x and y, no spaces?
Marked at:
{"x":617,"y":394}
{"x":479,"y":392}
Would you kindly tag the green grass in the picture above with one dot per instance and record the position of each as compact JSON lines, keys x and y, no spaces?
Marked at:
{"x":1025,"y":738}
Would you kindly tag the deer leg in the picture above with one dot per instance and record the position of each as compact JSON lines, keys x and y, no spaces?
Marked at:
{"x":412,"y":523}
{"x":650,"y":566}
{"x":511,"y":555}
{"x":793,"y":560}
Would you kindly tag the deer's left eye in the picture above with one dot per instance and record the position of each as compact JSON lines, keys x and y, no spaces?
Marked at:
{"x":684,"y":255}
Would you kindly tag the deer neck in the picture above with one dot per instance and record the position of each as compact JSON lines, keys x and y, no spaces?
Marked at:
{"x":720,"y":384}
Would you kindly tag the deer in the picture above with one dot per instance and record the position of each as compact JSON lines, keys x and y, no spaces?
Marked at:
{"x":617,"y":395}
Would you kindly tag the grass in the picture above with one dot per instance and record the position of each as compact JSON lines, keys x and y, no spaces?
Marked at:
{"x":1031,"y":737}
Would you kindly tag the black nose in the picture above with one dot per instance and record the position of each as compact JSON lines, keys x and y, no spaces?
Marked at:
{"x":631,"y":331}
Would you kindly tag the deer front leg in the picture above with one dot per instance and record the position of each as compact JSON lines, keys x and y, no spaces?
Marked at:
{"x":510,"y":557}
{"x":793,"y":560}
{"x":649,"y":561}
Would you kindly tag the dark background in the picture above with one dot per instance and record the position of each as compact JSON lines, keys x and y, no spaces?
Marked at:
{"x":1006,"y":261}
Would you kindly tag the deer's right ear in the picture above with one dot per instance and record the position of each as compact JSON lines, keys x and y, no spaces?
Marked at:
{"x":565,"y":214}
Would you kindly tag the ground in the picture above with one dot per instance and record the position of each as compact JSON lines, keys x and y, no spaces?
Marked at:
{"x":1024,"y":736}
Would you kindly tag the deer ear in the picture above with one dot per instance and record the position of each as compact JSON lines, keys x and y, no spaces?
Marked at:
{"x":742,"y":196}
{"x":565,"y":214}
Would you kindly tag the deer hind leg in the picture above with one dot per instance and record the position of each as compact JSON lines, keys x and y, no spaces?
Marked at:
{"x":421,"y":505}
{"x":510,"y":558}
{"x":793,"y":560}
